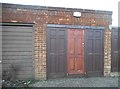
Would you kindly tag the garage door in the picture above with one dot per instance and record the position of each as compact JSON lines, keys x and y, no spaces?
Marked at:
{"x":18,"y":49}
{"x":94,"y":52}
{"x":56,"y":52}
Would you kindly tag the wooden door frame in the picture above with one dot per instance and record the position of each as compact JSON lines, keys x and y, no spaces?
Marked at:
{"x":77,"y":27}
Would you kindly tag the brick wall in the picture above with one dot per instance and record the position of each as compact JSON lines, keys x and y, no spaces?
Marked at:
{"x":107,"y":52}
{"x":41,"y":16}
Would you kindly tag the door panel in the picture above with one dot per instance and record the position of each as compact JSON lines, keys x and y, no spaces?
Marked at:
{"x":94,"y":52}
{"x":75,"y":51}
{"x":98,"y":51}
{"x":79,"y":34}
{"x":56,"y":52}
{"x":89,"y":47}
{"x":71,"y":51}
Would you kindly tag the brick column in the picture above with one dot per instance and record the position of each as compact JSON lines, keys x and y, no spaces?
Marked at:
{"x":40,"y":52}
{"x":107,"y":52}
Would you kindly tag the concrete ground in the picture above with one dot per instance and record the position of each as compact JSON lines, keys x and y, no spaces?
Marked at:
{"x":79,"y":82}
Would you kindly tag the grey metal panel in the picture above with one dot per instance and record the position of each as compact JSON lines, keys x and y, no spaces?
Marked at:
{"x":22,"y":65}
{"x":16,"y":38}
{"x":19,"y":29}
{"x":24,"y":72}
{"x":18,"y":49}
{"x":17,"y":61}
{"x":17,"y":46}
{"x":20,"y":68}
{"x":1,"y":45}
{"x":17,"y":57}
{"x":16,"y":34}
{"x":15,"y":41}
{"x":1,"y":36}
{"x":17,"y":53}
{"x":25,"y":76}
{"x":0,"y":55}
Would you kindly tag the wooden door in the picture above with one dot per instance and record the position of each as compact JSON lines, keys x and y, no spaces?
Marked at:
{"x":56,"y":52}
{"x":115,"y":50}
{"x":75,"y":51}
{"x":98,"y":52}
{"x":94,"y":52}
{"x":118,"y":49}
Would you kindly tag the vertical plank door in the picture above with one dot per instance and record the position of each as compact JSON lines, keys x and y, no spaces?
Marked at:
{"x":115,"y":50}
{"x":75,"y":51}
{"x":94,"y":52}
{"x":56,"y":52}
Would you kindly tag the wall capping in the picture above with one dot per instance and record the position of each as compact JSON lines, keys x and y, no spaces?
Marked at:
{"x":36,"y":7}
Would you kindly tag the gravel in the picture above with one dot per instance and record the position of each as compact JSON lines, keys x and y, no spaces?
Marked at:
{"x":79,"y":82}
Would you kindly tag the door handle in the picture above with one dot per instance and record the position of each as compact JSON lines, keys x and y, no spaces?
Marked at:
{"x":83,"y":44}
{"x":90,"y":53}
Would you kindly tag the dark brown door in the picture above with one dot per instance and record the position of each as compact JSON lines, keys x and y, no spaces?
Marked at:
{"x":119,"y":49}
{"x":94,"y":52}
{"x":56,"y":52}
{"x":115,"y":50}
{"x":75,"y":51}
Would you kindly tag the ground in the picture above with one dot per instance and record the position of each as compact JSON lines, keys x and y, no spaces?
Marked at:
{"x":79,"y":82}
